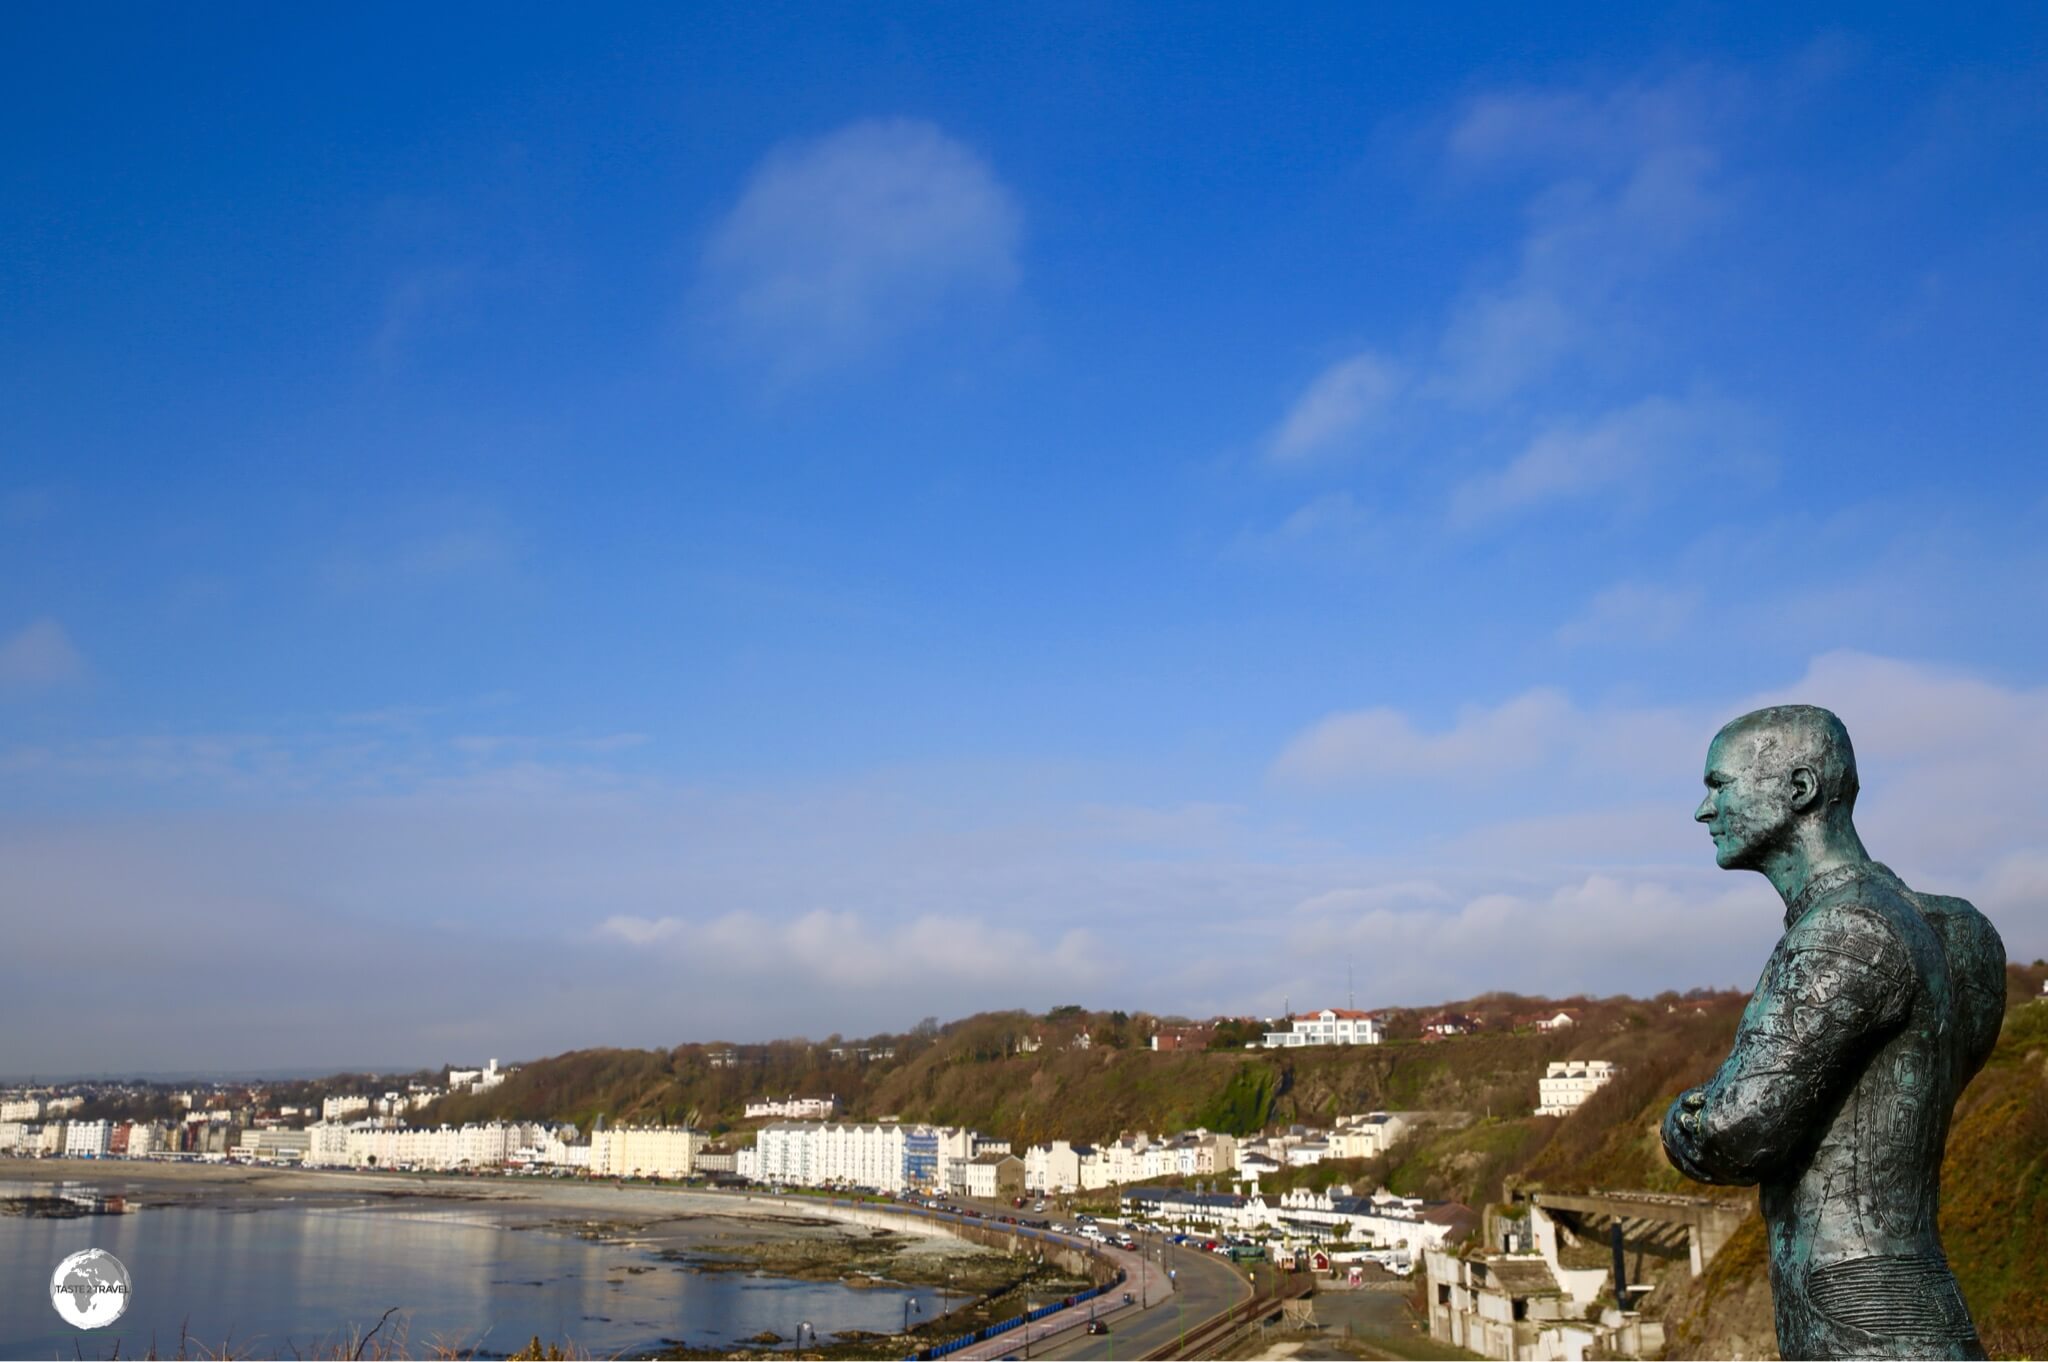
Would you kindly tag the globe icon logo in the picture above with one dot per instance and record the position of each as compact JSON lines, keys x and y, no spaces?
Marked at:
{"x":90,"y":1289}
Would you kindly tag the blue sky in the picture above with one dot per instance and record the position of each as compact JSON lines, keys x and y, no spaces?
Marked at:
{"x":523,"y":529}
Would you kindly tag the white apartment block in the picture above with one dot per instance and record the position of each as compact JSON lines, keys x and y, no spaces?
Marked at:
{"x":1331,"y":1026}
{"x":795,"y":1109}
{"x":327,"y":1145}
{"x":13,"y":1135}
{"x":341,"y":1108}
{"x":285,"y":1146}
{"x":1567,"y":1083}
{"x":21,"y":1109}
{"x":885,"y":1156}
{"x":86,"y":1139}
{"x":645,"y":1151}
{"x":471,"y":1146}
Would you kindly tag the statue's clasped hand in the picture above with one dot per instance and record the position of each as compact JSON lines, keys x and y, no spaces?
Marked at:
{"x":1689,"y":1110}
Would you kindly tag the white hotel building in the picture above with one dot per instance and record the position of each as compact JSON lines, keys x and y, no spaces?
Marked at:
{"x":471,"y":1146}
{"x":1567,"y":1083}
{"x":645,"y":1151}
{"x":1331,"y":1026}
{"x":886,"y":1156}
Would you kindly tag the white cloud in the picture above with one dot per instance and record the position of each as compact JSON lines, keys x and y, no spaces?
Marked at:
{"x":843,"y":948}
{"x":1632,"y":612}
{"x":1540,"y":843}
{"x":1949,"y":761}
{"x":1381,"y":741}
{"x":1628,"y":450}
{"x":1634,"y":178}
{"x":839,"y":246}
{"x":1600,"y":933}
{"x":1341,"y":400}
{"x":38,"y":656}
{"x":429,"y":547}
{"x":1626,"y":179}
{"x":1609,"y":128}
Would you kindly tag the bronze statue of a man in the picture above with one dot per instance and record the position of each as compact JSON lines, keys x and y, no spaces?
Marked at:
{"x":1877,"y":1007}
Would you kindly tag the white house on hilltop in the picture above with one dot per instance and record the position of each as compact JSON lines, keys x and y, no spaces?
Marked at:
{"x":1569,"y":1082}
{"x":1331,"y":1026}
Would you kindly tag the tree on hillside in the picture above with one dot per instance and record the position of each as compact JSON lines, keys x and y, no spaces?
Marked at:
{"x":1234,"y":1033}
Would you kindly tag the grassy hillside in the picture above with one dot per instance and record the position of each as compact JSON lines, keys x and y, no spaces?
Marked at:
{"x":976,"y":1072}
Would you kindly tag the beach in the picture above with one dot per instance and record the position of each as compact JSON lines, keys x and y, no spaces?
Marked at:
{"x":637,"y":1269}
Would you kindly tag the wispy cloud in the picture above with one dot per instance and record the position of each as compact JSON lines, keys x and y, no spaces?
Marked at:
{"x":419,"y":298}
{"x":1631,"y":612}
{"x":1343,"y":400}
{"x":647,"y":912}
{"x":1382,"y":741}
{"x":1629,"y":451}
{"x":422,"y":548}
{"x":1631,"y":176}
{"x":839,"y":246}
{"x":37,"y":657}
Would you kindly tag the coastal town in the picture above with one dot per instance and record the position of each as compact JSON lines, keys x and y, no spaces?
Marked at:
{"x":781,"y":1141}
{"x":1566,"y":1267}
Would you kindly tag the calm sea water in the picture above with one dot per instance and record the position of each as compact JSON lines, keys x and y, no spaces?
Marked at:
{"x":267,"y":1280}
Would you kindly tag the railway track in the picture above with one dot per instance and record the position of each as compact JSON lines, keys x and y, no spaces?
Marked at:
{"x":1215,"y":1334}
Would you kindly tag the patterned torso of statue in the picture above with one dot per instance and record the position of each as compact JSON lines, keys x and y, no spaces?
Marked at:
{"x":1876,"y":1008}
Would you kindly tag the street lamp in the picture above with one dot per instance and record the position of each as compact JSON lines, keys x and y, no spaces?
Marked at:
{"x":909,"y":1304}
{"x":1180,"y":1309}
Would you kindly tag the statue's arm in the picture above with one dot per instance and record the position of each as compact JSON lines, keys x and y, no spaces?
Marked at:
{"x":1838,"y":979}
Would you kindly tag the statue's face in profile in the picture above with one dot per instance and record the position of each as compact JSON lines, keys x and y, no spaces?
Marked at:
{"x":1747,"y":809}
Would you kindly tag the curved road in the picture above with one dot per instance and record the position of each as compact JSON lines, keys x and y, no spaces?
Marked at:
{"x":1203,"y":1285}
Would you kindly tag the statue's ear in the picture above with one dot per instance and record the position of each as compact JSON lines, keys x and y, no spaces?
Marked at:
{"x":1805,"y":787}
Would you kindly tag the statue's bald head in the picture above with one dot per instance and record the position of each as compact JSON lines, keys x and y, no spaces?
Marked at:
{"x":1781,"y":783}
{"x":1784,"y":737}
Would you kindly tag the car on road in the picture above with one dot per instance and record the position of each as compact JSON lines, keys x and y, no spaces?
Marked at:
{"x":1096,"y":1326}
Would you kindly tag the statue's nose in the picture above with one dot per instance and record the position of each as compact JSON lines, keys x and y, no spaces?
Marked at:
{"x":1705,"y":811}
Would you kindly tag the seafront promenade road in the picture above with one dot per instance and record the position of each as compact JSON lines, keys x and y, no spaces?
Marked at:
{"x":1202,"y":1287}
{"x":1173,"y":1290}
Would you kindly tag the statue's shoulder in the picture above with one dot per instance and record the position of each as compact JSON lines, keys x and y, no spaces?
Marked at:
{"x":1866,"y":919}
{"x":1961,"y":924}
{"x":1976,"y":963}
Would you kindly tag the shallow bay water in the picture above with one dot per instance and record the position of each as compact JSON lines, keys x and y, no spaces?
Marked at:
{"x":269,"y":1279}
